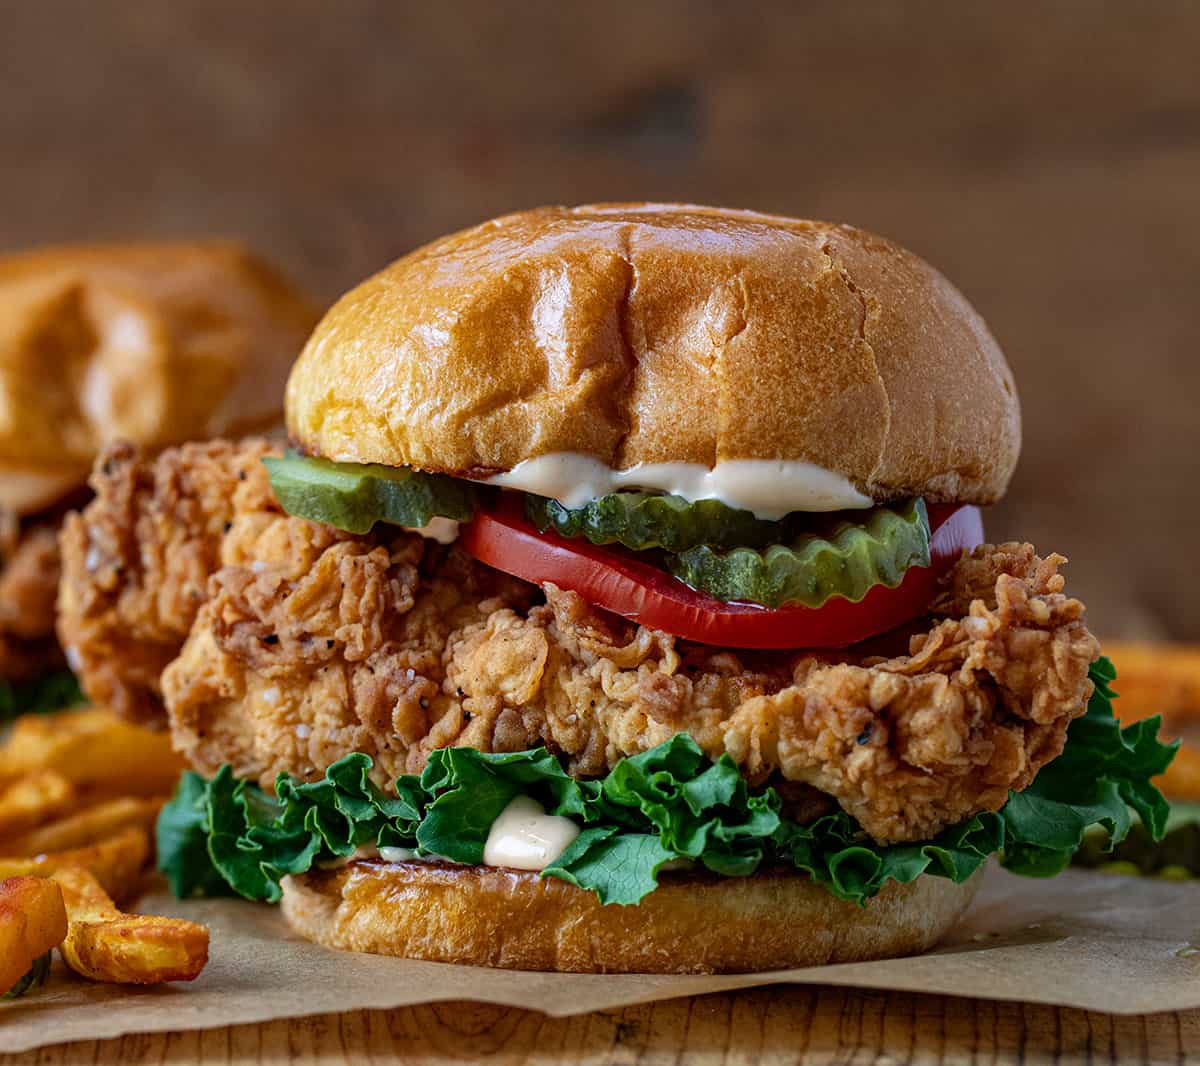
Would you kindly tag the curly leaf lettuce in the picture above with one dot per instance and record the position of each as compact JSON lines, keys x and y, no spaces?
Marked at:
{"x":1103,"y":773}
{"x":666,"y":804}
{"x":1175,"y":857}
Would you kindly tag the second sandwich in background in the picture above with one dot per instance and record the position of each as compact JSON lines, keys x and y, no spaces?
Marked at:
{"x":155,"y":343}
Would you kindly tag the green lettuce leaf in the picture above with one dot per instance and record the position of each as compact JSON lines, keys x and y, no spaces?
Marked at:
{"x":181,"y":838}
{"x":1176,"y":856}
{"x":1103,"y":772}
{"x":466,"y":792}
{"x":50,"y":693}
{"x":667,"y":804}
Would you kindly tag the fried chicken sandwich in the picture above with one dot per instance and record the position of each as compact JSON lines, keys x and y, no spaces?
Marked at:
{"x":622,"y":604}
{"x":152,"y":343}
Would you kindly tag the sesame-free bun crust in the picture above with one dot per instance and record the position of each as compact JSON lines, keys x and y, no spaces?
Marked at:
{"x":648,"y":333}
{"x":693,"y":923}
{"x":153,"y":343}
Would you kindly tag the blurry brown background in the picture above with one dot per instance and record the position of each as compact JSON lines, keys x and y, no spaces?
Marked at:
{"x":1045,"y":156}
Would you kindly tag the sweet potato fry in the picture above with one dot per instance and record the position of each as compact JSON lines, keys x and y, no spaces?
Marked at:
{"x":116,"y":863}
{"x":86,"y":827}
{"x":32,"y":921}
{"x":33,"y":800}
{"x":102,"y":944}
{"x":93,"y":749}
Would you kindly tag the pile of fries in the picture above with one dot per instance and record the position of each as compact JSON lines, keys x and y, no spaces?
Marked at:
{"x":79,"y":794}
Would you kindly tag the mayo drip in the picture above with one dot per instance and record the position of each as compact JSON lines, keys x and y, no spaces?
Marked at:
{"x":525,"y":837}
{"x":443,"y":530}
{"x":771,"y":488}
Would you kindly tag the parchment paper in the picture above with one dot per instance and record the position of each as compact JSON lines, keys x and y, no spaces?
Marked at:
{"x":1084,"y":939}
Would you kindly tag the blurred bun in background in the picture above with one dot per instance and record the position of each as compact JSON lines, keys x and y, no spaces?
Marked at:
{"x":154,"y":343}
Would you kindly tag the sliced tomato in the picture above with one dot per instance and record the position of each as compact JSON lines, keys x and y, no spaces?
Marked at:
{"x":504,"y":539}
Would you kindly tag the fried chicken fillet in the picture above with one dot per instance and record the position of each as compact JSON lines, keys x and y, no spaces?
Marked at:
{"x":279,"y":644}
{"x":29,"y":573}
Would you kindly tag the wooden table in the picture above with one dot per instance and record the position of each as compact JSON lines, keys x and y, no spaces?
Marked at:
{"x":769,"y":1025}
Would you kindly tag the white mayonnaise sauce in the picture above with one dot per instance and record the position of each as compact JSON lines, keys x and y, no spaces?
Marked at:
{"x":525,"y":837}
{"x":770,"y":488}
{"x":443,"y":530}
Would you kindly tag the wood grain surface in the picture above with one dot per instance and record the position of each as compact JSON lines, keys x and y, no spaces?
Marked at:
{"x":808,"y":1026}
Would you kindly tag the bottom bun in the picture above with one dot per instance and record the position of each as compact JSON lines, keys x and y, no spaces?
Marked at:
{"x":693,"y":923}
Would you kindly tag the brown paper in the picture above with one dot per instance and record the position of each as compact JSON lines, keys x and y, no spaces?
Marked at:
{"x":1083,"y":939}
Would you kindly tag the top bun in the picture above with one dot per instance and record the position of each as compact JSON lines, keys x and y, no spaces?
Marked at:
{"x":154,"y":343}
{"x":650,"y":333}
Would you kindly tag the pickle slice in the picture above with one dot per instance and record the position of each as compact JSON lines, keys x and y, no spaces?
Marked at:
{"x":354,"y":496}
{"x":642,"y":520}
{"x":847,"y":560}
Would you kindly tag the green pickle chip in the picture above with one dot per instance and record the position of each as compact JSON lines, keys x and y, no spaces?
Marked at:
{"x":354,"y":496}
{"x":643,"y":520}
{"x":717,"y":549}
{"x":847,"y":559}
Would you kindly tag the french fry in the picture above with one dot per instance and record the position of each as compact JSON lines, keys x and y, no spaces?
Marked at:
{"x":32,"y":921}
{"x":32,"y":800}
{"x":102,"y":944}
{"x":116,"y":862}
{"x":1154,"y":678}
{"x":86,"y":827}
{"x":94,"y":750}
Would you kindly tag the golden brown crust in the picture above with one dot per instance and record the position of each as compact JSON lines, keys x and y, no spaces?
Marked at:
{"x":658,"y":333}
{"x":485,"y":916}
{"x":154,"y":343}
{"x":29,"y":570}
{"x":287,"y":643}
{"x":139,"y":557}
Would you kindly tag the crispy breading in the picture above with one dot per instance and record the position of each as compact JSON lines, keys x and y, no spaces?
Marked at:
{"x":326,"y":643}
{"x":310,"y":643}
{"x":907,"y":745}
{"x":29,"y":573}
{"x":137,"y":562}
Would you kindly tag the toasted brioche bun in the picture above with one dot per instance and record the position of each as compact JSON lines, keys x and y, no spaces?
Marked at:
{"x":651,"y":333}
{"x":154,"y":343}
{"x":484,"y":916}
